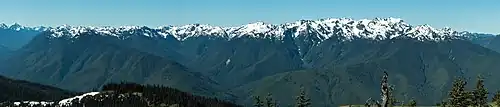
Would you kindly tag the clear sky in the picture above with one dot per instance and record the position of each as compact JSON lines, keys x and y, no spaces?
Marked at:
{"x":470,"y":15}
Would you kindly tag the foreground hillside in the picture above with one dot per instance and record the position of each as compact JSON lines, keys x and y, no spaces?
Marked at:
{"x":130,"y":95}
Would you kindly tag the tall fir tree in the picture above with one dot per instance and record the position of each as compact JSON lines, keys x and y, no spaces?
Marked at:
{"x":469,"y":98}
{"x":480,"y":94}
{"x":269,"y":100}
{"x":496,"y":99}
{"x":457,"y":95}
{"x":392,"y":98}
{"x":258,"y":102}
{"x":385,"y":95}
{"x":302,"y":99}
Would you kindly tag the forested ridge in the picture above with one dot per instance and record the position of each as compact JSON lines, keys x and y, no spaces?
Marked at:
{"x":130,"y":95}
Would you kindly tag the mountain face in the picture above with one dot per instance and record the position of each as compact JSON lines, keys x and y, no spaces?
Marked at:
{"x":15,"y":36}
{"x":422,"y":70}
{"x":4,"y":52}
{"x":334,"y":59}
{"x":17,"y":90}
{"x":491,"y":41}
{"x":92,"y":61}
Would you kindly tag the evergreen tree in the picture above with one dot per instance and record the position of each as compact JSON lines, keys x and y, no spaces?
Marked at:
{"x":496,"y":98}
{"x":457,"y":95}
{"x":412,"y":103}
{"x":480,"y":94}
{"x":442,"y":104}
{"x":385,"y":96}
{"x":269,"y":100}
{"x":258,"y":102}
{"x":392,"y":99}
{"x":469,"y":98}
{"x":302,"y":99}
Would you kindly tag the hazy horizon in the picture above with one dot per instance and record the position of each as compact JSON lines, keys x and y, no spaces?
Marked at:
{"x":461,"y":15}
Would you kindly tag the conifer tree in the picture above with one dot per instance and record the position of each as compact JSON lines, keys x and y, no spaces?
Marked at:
{"x":385,"y":96}
{"x":442,"y":104}
{"x":412,"y":103}
{"x":392,"y":99}
{"x":480,"y":94}
{"x":302,"y":99}
{"x":469,"y":98}
{"x":457,"y":95}
{"x":496,"y":99}
{"x":258,"y":102}
{"x":269,"y":100}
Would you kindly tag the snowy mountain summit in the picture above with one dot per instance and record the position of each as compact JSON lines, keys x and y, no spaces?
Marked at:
{"x":343,"y":28}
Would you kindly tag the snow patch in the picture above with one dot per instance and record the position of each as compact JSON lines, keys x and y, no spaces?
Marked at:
{"x":68,"y":101}
{"x":228,"y":61}
{"x":34,"y":103}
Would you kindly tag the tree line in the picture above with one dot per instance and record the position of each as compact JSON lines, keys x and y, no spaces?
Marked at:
{"x":302,"y":100}
{"x":136,"y":95}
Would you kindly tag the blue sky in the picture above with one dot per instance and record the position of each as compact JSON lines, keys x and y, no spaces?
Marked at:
{"x":470,"y":15}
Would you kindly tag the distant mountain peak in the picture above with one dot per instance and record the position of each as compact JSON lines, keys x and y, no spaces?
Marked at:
{"x":19,"y":27}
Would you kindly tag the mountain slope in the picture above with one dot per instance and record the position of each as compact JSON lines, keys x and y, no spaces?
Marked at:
{"x":493,"y":43}
{"x":417,"y":69}
{"x":17,"y":90}
{"x":15,"y":36}
{"x":4,"y":52}
{"x":92,"y":61}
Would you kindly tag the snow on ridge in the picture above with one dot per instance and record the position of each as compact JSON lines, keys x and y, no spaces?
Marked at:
{"x":64,"y":102}
{"x":34,"y":103}
{"x":19,"y":27}
{"x":322,"y":29}
{"x":68,"y":101}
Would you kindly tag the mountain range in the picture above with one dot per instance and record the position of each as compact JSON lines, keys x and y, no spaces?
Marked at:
{"x":338,"y":61}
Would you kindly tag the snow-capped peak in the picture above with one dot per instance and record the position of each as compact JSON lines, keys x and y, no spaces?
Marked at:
{"x":3,"y":26}
{"x":191,"y":30}
{"x":19,"y":27}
